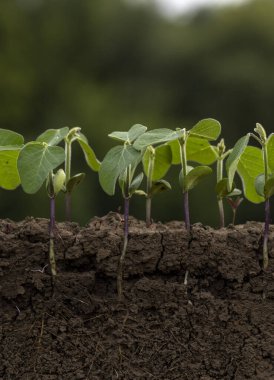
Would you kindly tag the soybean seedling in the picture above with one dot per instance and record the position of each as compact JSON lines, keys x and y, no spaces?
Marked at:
{"x":257,"y":172}
{"x":69,"y":136}
{"x":189,"y":177}
{"x":120,"y":164}
{"x":10,"y":146}
{"x":225,"y":187}
{"x":156,"y":163}
{"x":36,"y":163}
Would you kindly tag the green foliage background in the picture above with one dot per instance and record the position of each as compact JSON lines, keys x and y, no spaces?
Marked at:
{"x":106,"y":65}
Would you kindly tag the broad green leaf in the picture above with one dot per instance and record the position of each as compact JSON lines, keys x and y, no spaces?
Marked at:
{"x":134,"y":132}
{"x":35,"y":161}
{"x":89,"y":154}
{"x":270,"y":151}
{"x":162,"y":162}
{"x":259,"y":184}
{"x":74,"y":181}
{"x":115,"y":162}
{"x":136,"y":183}
{"x":269,"y":188}
{"x":249,"y":167}
{"x":208,"y":129}
{"x":159,"y":187}
{"x":9,"y":176}
{"x":234,"y":157}
{"x":155,"y":136}
{"x":53,"y":136}
{"x":197,"y":150}
{"x":8,"y":137}
{"x":195,"y":176}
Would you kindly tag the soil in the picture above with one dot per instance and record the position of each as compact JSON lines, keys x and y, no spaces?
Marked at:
{"x":217,"y":322}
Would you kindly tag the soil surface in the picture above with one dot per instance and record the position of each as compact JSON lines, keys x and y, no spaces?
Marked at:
{"x":217,"y":322}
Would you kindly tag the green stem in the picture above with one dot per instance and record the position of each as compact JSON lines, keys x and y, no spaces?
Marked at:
{"x":220,"y":201}
{"x":184,"y":170}
{"x":149,"y":185}
{"x":68,"y":174}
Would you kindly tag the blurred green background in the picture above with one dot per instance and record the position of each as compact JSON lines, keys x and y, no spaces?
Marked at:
{"x":106,"y":65}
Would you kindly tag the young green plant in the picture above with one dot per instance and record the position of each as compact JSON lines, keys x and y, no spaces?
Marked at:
{"x":205,"y":130}
{"x":156,"y":163}
{"x":120,"y":164}
{"x":258,"y":169}
{"x":36,"y":163}
{"x":69,"y":136}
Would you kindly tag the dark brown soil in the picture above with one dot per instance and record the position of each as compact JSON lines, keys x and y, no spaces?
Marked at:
{"x":218,"y":326}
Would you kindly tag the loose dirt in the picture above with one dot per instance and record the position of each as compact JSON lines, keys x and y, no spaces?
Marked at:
{"x":218,"y":325}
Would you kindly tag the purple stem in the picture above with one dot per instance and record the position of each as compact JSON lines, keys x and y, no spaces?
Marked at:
{"x":266,"y":233}
{"x":123,"y":254}
{"x":51,"y":239}
{"x":186,"y":210}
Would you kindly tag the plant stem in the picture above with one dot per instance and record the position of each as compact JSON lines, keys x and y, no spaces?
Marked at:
{"x":123,"y":255}
{"x":267,"y":212}
{"x":220,"y":201}
{"x":184,"y":171}
{"x":149,"y":185}
{"x":51,"y":237}
{"x":68,"y":174}
{"x":266,"y":233}
{"x":233,"y":216}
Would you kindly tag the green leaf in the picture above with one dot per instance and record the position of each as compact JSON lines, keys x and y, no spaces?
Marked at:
{"x":9,"y":176}
{"x":136,"y":183}
{"x":234,"y":157}
{"x":130,"y":136}
{"x":208,"y":129}
{"x":59,"y":179}
{"x":35,"y":161}
{"x":270,"y":151}
{"x":115,"y":162}
{"x":181,"y":176}
{"x":53,"y":136}
{"x":155,"y":136}
{"x":8,"y":137}
{"x":195,"y":176}
{"x":162,"y":162}
{"x":222,"y":189}
{"x":269,"y":188}
{"x":234,"y":193}
{"x":74,"y":181}
{"x":259,"y":184}
{"x":89,"y":154}
{"x":159,"y":187}
{"x":249,"y":167}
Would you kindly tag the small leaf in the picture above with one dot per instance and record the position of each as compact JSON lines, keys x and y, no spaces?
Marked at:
{"x":162,"y":162}
{"x":53,"y":136}
{"x":59,"y":179}
{"x":9,"y":176}
{"x":35,"y":161}
{"x":8,"y":137}
{"x":156,"y":136}
{"x":136,"y":183}
{"x":74,"y":181}
{"x":249,"y":167}
{"x":159,"y":187}
{"x":115,"y":162}
{"x":234,"y":157}
{"x":195,"y":176}
{"x":222,"y":188}
{"x":140,"y":192}
{"x":208,"y":129}
{"x":181,"y":176}
{"x":270,"y":151}
{"x":89,"y":154}
{"x":235,"y":193}
{"x":269,"y":188}
{"x":130,"y":136}
{"x":259,"y":184}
